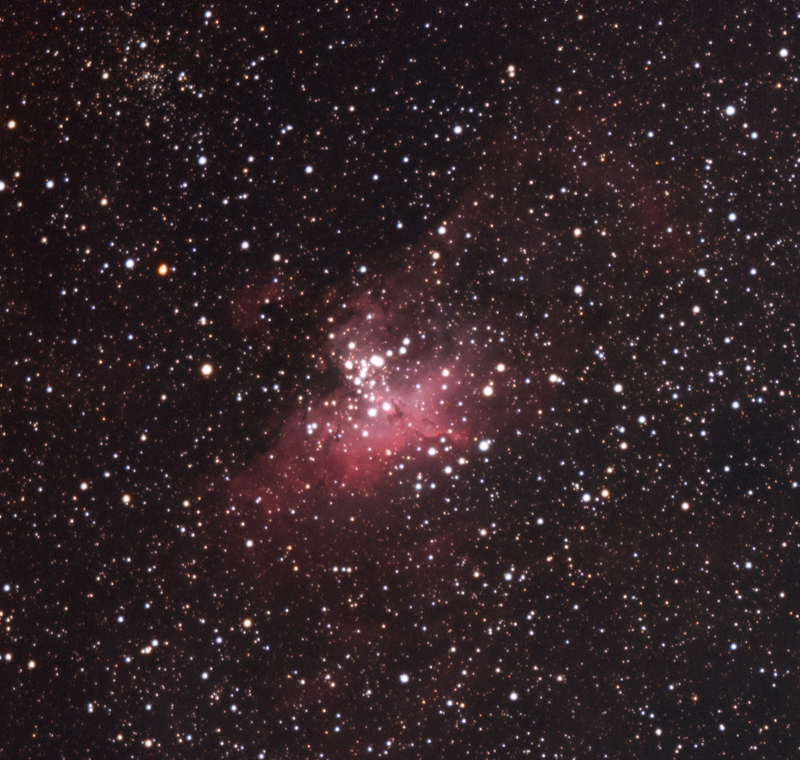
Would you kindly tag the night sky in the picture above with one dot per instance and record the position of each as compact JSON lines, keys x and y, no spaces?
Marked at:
{"x":399,"y":380}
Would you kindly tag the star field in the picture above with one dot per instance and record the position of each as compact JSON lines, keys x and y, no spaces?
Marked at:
{"x":402,"y":381}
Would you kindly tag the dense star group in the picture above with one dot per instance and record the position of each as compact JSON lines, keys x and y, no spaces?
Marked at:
{"x":398,"y":402}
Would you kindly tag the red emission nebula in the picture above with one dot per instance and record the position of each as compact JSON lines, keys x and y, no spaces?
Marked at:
{"x":414,"y":404}
{"x":432,"y":365}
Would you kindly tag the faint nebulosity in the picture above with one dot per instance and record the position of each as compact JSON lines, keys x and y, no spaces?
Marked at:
{"x":399,"y":380}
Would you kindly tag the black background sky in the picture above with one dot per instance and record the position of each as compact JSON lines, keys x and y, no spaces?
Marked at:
{"x":401,"y":380}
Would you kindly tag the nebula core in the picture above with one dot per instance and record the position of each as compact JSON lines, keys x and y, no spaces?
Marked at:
{"x":416,"y":392}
